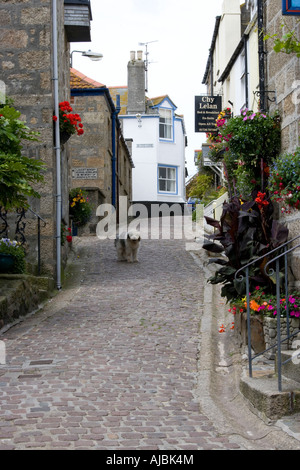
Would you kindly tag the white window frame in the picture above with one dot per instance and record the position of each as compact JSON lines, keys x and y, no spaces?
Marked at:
{"x":168,"y":179}
{"x":166,"y":124}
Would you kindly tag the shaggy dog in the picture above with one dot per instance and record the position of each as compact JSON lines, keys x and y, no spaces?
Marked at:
{"x":127,"y":245}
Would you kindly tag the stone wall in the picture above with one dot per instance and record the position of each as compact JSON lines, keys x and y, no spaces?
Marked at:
{"x":93,"y":152}
{"x":26,"y":67}
{"x":270,"y":333}
{"x":283,"y":76}
{"x":292,"y":221}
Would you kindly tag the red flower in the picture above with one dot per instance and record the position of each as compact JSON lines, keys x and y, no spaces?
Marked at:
{"x":54,"y":118}
{"x":69,"y":238}
{"x":260,"y":200}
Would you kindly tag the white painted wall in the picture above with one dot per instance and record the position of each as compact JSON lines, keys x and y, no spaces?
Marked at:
{"x":148,"y":152}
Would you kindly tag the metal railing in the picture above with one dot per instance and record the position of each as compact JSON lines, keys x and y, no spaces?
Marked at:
{"x":20,"y":228}
{"x":39,"y":218}
{"x":270,"y":271}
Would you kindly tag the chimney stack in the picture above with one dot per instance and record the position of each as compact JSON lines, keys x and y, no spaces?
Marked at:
{"x":136,"y":84}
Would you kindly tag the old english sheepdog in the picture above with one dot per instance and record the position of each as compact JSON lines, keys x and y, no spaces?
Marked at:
{"x":127,"y":245}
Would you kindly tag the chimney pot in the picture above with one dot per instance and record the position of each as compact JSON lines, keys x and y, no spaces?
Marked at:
{"x":132,"y":55}
{"x":140,"y":55}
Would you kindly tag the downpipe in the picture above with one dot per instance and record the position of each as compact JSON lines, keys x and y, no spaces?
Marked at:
{"x":57,"y":146}
{"x":114,"y":157}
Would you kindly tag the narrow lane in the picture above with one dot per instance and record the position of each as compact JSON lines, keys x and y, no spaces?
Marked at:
{"x":111,"y":362}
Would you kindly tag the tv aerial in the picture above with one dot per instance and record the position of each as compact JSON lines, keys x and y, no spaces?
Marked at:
{"x":146,"y":60}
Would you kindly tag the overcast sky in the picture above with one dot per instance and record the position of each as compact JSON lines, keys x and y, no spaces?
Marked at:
{"x":179,"y":33}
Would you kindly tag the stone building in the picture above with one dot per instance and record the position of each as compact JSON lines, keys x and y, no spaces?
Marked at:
{"x":27,"y":53}
{"x":100,"y":160}
{"x":254,"y":75}
{"x":283,"y":75}
{"x":283,"y":83}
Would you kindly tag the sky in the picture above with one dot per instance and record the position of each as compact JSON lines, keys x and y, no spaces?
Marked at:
{"x":179,"y":35}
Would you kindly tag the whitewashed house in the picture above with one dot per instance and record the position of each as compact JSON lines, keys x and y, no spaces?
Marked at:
{"x":158,"y":140}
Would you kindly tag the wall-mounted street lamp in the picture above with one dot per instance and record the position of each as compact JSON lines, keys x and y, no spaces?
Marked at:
{"x":95,"y":56}
{"x":139,"y":119}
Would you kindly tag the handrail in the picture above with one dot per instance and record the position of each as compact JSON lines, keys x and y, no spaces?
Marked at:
{"x":271,"y":272}
{"x":39,"y":237}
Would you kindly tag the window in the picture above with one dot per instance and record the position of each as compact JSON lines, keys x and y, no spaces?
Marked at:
{"x":167,"y":179}
{"x":165,"y":123}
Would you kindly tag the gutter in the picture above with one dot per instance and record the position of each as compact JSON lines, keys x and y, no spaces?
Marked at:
{"x":211,"y":50}
{"x":57,"y":146}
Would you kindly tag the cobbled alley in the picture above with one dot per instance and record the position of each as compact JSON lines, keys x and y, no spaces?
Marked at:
{"x":111,"y":362}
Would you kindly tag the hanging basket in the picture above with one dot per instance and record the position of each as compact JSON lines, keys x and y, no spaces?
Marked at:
{"x":64,"y":137}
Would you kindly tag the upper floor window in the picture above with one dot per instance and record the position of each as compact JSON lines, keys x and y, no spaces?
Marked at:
{"x":165,"y":124}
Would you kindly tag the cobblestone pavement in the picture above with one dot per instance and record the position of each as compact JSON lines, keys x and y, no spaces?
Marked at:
{"x":111,"y":362}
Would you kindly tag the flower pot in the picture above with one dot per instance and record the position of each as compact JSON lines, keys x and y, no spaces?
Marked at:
{"x":64,"y":137}
{"x":6,"y":263}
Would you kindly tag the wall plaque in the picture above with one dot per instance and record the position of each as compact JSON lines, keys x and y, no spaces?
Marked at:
{"x":85,"y":173}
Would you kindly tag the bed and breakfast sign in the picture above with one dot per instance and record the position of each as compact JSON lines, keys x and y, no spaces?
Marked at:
{"x":207,"y":110}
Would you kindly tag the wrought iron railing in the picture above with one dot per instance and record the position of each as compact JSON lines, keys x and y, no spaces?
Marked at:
{"x":39,"y":219}
{"x":20,"y":223}
{"x":270,"y":271}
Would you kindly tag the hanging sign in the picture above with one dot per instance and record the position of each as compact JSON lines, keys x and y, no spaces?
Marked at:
{"x":291,"y":7}
{"x":207,"y":110}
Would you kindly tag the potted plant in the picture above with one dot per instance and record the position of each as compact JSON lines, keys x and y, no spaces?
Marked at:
{"x":69,"y":122}
{"x":284,"y":181}
{"x":12,"y":257}
{"x":80,"y":208}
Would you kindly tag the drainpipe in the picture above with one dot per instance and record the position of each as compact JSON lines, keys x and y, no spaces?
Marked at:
{"x":211,"y":74}
{"x":114,"y":157}
{"x":246,"y":71}
{"x":261,"y":54}
{"x":57,"y":146}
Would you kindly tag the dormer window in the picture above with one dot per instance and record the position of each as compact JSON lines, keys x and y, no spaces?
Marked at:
{"x":165,"y":124}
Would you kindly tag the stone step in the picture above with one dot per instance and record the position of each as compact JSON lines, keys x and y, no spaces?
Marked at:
{"x":291,"y":369}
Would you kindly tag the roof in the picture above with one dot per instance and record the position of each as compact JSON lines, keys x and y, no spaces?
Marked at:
{"x":212,"y":48}
{"x":158,"y":100}
{"x":80,"y":81}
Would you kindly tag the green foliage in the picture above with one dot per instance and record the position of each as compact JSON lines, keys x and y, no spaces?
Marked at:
{"x":251,"y":140}
{"x":13,"y":248}
{"x":17,"y":172}
{"x":80,"y":208}
{"x":284,"y":180}
{"x":288,"y":43}
{"x":201,"y":185}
